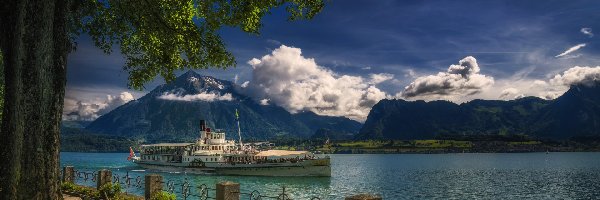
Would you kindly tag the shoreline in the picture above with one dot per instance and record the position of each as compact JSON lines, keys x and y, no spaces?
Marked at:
{"x":404,"y":152}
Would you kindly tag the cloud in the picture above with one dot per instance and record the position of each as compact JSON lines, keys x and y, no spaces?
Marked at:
{"x":571,"y":50}
{"x":380,"y":78}
{"x":204,"y":96}
{"x":550,"y":89}
{"x":273,"y":42}
{"x":587,"y":31}
{"x":91,"y":110}
{"x":551,"y":95}
{"x":570,"y":56}
{"x":510,"y":93}
{"x":264,"y":102}
{"x":577,"y":75}
{"x":235,"y":79}
{"x":460,"y":80}
{"x":245,"y":84}
{"x":288,"y":79}
{"x":410,"y":73}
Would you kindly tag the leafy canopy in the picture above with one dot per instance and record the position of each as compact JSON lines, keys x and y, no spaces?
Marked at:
{"x":158,"y":37}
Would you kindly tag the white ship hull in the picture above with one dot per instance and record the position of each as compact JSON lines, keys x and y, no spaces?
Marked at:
{"x":318,"y":167}
{"x":212,"y":153}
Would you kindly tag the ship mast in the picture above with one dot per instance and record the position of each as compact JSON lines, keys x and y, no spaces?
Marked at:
{"x":237,"y":117}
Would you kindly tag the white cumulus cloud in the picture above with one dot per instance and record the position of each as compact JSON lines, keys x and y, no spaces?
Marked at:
{"x":91,"y":110}
{"x":204,"y":96}
{"x":510,"y":93}
{"x":577,"y":75}
{"x":459,"y":80}
{"x":380,"y":78}
{"x":288,"y":79}
{"x":550,"y":89}
{"x":571,"y":50}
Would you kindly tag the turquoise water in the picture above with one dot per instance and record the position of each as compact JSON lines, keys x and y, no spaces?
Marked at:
{"x":404,"y":176}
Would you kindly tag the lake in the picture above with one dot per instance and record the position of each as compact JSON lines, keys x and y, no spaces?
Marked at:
{"x":404,"y":176}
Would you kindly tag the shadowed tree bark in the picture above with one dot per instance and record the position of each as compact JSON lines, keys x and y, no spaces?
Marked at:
{"x":35,"y":45}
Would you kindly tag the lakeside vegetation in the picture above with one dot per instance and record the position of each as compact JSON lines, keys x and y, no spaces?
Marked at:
{"x":107,"y":143}
{"x":75,"y":139}
{"x":494,"y":145}
{"x":79,"y":140}
{"x":107,"y":191}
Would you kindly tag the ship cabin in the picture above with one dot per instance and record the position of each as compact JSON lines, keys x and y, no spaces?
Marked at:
{"x":164,"y":152}
{"x":211,"y":147}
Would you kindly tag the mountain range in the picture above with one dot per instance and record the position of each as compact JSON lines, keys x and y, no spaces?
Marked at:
{"x":574,"y":114}
{"x":172,"y":111}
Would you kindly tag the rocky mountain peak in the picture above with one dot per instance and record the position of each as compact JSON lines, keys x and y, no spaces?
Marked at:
{"x":192,"y":82}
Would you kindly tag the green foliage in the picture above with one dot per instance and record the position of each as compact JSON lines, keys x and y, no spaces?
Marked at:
{"x":80,"y":140}
{"x":80,"y":190}
{"x":363,"y":144}
{"x":109,"y":190}
{"x":162,"y":195}
{"x":158,"y":37}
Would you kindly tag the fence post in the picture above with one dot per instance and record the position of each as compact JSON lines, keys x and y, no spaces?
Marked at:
{"x":68,"y":174}
{"x":228,"y":191}
{"x":104,"y":176}
{"x":364,"y":197}
{"x":154,"y":183}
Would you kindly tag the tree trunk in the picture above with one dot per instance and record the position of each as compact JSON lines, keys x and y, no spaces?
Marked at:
{"x":35,"y":45}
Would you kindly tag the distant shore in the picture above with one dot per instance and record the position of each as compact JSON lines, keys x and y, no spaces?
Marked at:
{"x":417,"y":147}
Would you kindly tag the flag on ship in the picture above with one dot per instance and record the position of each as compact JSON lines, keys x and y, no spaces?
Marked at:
{"x":131,"y":154}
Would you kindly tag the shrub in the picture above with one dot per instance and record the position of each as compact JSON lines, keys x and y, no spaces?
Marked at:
{"x":110,"y":190}
{"x":162,"y":195}
{"x":80,"y":190}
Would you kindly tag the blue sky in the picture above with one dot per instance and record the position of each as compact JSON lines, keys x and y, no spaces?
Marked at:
{"x":513,"y":41}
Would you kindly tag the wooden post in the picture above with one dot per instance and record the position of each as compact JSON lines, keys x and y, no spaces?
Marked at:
{"x":364,"y":197}
{"x":103,"y":177}
{"x":154,"y":184}
{"x":68,"y":174}
{"x":228,"y":191}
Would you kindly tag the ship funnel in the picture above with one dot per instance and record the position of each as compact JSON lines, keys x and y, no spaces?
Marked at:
{"x":202,"y":125}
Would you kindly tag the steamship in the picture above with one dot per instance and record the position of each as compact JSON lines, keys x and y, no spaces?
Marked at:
{"x":212,"y":153}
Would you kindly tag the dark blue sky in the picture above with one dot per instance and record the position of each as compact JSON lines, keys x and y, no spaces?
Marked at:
{"x":405,"y":38}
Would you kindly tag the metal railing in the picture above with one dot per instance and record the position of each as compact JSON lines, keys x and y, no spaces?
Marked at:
{"x":203,"y":192}
{"x":184,"y":190}
{"x":255,"y":195}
